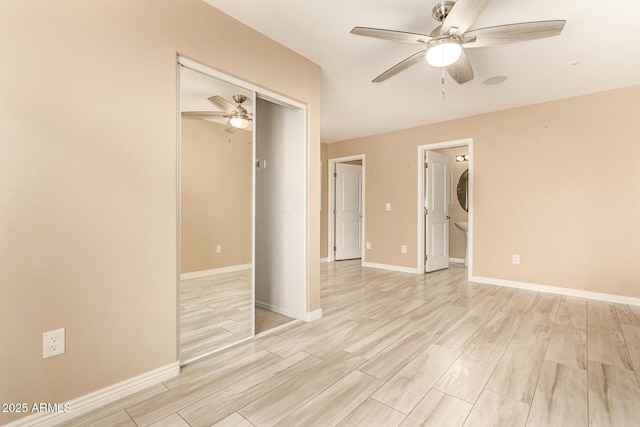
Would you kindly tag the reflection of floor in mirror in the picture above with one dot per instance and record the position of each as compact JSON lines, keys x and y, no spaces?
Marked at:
{"x":266,"y":319}
{"x":215,"y":311}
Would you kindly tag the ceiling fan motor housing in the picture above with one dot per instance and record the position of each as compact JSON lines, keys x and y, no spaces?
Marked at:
{"x":441,"y":10}
{"x":239,"y":98}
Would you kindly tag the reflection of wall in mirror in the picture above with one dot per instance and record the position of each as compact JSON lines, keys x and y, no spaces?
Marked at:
{"x":216,"y":187}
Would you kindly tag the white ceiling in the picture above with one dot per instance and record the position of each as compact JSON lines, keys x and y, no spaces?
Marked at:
{"x":603,"y":36}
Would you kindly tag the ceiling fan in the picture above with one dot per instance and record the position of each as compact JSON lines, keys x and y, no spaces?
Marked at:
{"x":238,"y":116}
{"x":445,"y":45}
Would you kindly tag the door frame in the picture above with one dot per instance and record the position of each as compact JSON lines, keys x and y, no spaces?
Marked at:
{"x":422,"y":149}
{"x":304,"y":126}
{"x":330,"y":217}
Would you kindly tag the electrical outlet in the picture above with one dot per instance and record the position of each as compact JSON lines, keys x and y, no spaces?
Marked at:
{"x":53,"y":343}
{"x":219,"y":249}
{"x":368,"y":245}
{"x":404,"y":249}
{"x":515,"y":259}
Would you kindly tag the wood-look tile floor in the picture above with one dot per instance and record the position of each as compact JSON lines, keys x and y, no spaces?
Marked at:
{"x":400,"y":349}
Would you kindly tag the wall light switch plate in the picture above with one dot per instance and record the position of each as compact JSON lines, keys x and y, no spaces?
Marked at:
{"x":368,"y":245}
{"x":53,"y":343}
{"x":388,"y":207}
{"x":404,"y":249}
{"x":219,"y":249}
{"x":515,"y":259}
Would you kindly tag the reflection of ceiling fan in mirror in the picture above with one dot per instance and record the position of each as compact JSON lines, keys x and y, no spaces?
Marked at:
{"x":238,"y":116}
{"x":444,"y":46}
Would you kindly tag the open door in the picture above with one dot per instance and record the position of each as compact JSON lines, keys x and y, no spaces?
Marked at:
{"x":348,"y":211}
{"x":436,"y":211}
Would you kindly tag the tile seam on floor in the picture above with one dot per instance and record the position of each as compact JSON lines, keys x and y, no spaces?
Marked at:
{"x":535,"y":389}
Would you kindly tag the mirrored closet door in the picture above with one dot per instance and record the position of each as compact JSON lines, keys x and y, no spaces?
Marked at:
{"x":216,"y":214}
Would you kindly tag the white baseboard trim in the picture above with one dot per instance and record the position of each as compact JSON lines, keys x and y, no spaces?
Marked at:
{"x":92,"y":401}
{"x":456,"y":260}
{"x":324,"y":260}
{"x":214,"y":271}
{"x":558,"y":290}
{"x":276,"y":309}
{"x":391,"y":267}
{"x":311,"y":316}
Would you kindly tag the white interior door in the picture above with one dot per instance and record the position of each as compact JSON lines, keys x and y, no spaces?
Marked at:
{"x":436,"y":202}
{"x":348,"y":211}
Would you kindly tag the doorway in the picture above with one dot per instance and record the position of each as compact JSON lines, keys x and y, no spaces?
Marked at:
{"x":280,"y":210}
{"x":346,"y":208}
{"x":217,"y":282}
{"x":438,"y":236}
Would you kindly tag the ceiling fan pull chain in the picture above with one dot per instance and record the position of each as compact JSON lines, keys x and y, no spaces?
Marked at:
{"x":442,"y":82}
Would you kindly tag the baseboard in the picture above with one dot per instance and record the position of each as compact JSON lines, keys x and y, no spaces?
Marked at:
{"x":97,"y":399}
{"x":276,"y":309}
{"x":310,"y":316}
{"x":558,"y":290}
{"x":214,"y":271}
{"x":391,"y":267}
{"x":324,"y":259}
{"x":456,"y":260}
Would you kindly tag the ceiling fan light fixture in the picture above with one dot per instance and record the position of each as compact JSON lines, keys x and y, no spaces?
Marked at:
{"x":239,"y":122}
{"x":444,"y":52}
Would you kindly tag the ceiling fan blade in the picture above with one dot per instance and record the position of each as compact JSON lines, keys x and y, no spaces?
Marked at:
{"x":203,"y":114}
{"x":462,"y":16}
{"x":512,"y":33}
{"x":396,"y":36}
{"x":222,"y":103}
{"x":461,"y":70}
{"x":230,"y":129}
{"x":401,"y":66}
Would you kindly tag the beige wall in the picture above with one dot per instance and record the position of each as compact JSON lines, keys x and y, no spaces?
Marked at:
{"x":556,"y":183}
{"x":88,"y":127}
{"x":216,"y":191}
